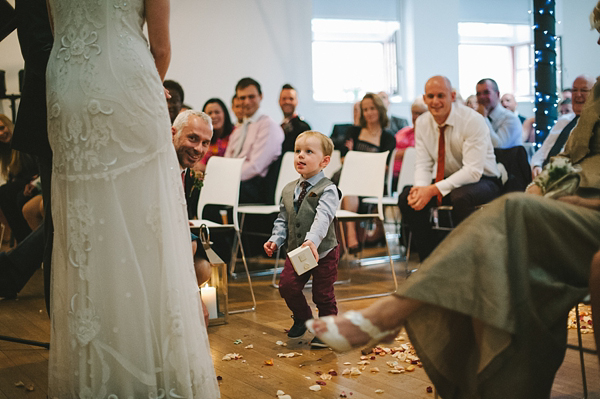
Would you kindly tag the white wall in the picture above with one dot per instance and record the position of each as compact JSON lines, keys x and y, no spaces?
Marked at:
{"x":217,"y":42}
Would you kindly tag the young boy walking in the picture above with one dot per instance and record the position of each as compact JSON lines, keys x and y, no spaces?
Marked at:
{"x":306,"y":217}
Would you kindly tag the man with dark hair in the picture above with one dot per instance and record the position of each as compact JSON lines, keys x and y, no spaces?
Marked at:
{"x":505,"y":127}
{"x":258,"y":140}
{"x":176,"y":101}
{"x":292,"y":124}
{"x":238,"y":111}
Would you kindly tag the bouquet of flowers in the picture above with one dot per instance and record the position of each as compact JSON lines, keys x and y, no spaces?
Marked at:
{"x":559,"y":178}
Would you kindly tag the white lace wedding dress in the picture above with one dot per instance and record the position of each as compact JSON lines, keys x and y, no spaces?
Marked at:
{"x":126,"y":319}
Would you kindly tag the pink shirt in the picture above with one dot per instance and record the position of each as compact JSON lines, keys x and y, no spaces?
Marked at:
{"x":404,"y":138}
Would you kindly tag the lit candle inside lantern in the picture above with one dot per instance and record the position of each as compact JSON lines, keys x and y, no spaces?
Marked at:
{"x":209,"y":297}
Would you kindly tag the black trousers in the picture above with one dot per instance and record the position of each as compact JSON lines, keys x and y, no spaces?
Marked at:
{"x":463,"y":200}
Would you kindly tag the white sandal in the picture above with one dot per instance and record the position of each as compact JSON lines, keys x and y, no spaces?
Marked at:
{"x":338,"y":342}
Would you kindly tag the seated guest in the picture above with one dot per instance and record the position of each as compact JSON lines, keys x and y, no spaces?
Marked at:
{"x":508,"y":101}
{"x":238,"y":110}
{"x":175,"y":102}
{"x":505,"y":127}
{"x":566,"y":93}
{"x":370,"y":136}
{"x":395,"y":122}
{"x":258,"y":140}
{"x":565,"y":107}
{"x":457,"y":140}
{"x":406,"y":137}
{"x":222,"y":128}
{"x":472,"y":102}
{"x":18,"y":169}
{"x":555,"y":142}
{"x":292,"y":124}
{"x":486,"y":312}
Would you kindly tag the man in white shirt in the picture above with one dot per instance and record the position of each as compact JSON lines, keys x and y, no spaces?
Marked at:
{"x":258,"y":140}
{"x":464,"y":165}
{"x":505,"y":127}
{"x":555,"y":142}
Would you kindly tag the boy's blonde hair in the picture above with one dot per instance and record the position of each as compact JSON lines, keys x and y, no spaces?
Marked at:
{"x":326,"y":143}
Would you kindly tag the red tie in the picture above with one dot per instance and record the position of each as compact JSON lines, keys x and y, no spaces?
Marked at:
{"x":441,"y":161}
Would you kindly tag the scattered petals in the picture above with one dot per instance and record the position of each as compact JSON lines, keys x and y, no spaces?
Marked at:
{"x":363,"y":362}
{"x":410,"y":368}
{"x":291,"y":354}
{"x":325,"y":377}
{"x":232,"y":356}
{"x":355,"y":371}
{"x":332,"y":372}
{"x":429,"y":389}
{"x":249,"y":346}
{"x":374,"y":370}
{"x":280,"y":343}
{"x":237,"y":342}
{"x":379,"y":391}
{"x":315,"y":388}
{"x":19,"y":384}
{"x":346,"y":372}
{"x":219,"y":378}
{"x":269,"y":362}
{"x":347,"y":363}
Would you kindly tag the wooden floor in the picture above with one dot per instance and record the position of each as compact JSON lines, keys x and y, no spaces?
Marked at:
{"x":250,"y":376}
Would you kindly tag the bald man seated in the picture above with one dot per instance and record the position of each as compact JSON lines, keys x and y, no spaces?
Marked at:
{"x":455,"y":146}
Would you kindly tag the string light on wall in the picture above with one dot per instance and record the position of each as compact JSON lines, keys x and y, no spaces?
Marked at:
{"x":546,"y":95}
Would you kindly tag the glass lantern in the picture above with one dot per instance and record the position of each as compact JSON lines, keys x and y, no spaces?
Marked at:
{"x":214,"y":291}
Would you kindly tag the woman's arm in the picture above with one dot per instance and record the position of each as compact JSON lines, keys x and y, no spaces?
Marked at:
{"x":157,"y":17}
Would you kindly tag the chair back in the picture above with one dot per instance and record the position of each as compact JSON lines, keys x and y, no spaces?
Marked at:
{"x":334,"y":164}
{"x":363,"y":175}
{"x":407,"y":172}
{"x":221,"y":184}
{"x":287,"y":173}
{"x":390,"y":173}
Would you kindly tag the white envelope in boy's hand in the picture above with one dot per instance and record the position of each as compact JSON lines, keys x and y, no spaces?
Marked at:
{"x":302,"y":259}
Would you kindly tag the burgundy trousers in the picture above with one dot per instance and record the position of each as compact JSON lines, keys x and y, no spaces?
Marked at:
{"x":324,"y":275}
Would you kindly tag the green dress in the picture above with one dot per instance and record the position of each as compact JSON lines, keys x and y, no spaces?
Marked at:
{"x":511,"y":271}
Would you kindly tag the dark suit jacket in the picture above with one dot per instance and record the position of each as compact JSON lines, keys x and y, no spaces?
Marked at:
{"x":292,"y":130}
{"x":397,"y":123}
{"x":35,"y":38}
{"x":192,"y":194}
{"x":8,"y":19}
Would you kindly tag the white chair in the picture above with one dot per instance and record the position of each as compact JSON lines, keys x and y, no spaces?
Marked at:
{"x":334,"y":164}
{"x":363,"y":175}
{"x":406,"y":178}
{"x":287,"y":173}
{"x":222,"y":187}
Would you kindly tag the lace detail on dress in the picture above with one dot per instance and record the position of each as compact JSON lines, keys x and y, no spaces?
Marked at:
{"x":80,"y":222}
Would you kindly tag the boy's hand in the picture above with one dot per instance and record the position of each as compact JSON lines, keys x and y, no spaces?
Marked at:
{"x":270,"y":247}
{"x":313,"y":248}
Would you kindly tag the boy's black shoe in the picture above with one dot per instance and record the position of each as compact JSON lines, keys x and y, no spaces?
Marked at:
{"x":316,"y":343}
{"x":298,"y":329}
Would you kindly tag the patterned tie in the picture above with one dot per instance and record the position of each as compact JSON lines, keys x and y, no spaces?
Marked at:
{"x":304,"y":185}
{"x":441,"y":161}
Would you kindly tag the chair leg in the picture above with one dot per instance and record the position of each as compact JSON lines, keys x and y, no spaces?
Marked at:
{"x":581,"y":359}
{"x":387,"y":247}
{"x":241,"y":248}
{"x":407,"y":255}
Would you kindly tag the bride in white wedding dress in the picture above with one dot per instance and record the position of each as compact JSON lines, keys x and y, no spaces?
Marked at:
{"x":126,"y":318}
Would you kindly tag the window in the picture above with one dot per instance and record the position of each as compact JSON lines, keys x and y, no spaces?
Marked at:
{"x":353,"y":57}
{"x":498,"y":51}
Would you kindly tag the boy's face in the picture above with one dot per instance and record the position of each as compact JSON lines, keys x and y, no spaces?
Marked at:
{"x":308,"y":157}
